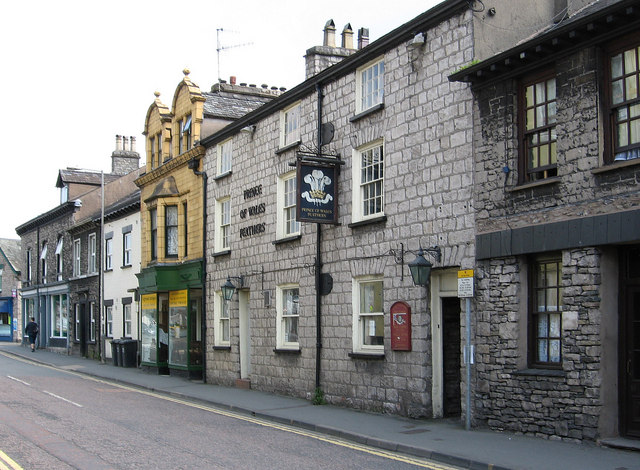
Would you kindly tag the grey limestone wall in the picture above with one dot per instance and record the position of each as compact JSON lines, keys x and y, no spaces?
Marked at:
{"x":582,"y":188}
{"x":564,"y":405}
{"x":426,"y":127}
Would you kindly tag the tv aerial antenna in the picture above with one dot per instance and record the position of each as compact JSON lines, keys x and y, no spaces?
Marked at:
{"x":221,"y":48}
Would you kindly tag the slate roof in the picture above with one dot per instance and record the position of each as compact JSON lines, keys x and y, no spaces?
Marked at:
{"x":231,"y":106}
{"x":72,"y":175}
{"x":12,"y":251}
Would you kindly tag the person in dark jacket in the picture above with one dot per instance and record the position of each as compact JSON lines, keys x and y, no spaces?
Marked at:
{"x":32,"y":331}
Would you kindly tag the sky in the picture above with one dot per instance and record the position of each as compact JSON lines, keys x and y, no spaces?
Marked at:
{"x":74,"y":74}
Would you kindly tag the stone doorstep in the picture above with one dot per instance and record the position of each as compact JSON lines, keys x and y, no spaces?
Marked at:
{"x":243,"y":383}
{"x":621,"y":443}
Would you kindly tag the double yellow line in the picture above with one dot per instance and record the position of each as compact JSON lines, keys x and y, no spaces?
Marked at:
{"x":7,"y":463}
{"x":418,"y":462}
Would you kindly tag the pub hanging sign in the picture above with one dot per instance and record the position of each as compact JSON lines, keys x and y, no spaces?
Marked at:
{"x":317,"y":194}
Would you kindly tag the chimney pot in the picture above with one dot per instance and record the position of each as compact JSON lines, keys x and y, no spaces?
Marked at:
{"x":329,"y":34}
{"x":118,"y":142}
{"x":347,"y":37}
{"x":133,"y":144}
{"x":232,"y":79}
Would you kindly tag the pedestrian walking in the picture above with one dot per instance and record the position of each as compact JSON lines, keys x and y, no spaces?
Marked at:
{"x":32,"y":331}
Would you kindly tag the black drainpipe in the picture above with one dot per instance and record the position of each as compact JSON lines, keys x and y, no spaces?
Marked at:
{"x":318,"y":264}
{"x":203,"y":323}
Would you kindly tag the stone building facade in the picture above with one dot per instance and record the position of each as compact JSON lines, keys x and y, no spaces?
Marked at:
{"x":46,"y":250}
{"x":171,"y":280}
{"x":10,"y":272}
{"x":557,"y":139}
{"x":402,"y":149}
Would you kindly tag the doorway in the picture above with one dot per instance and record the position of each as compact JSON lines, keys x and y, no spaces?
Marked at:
{"x":451,"y":358}
{"x":630,"y":342}
{"x":445,"y":344}
{"x":83,"y":322}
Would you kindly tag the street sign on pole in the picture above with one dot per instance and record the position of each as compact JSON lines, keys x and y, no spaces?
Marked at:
{"x":465,"y":283}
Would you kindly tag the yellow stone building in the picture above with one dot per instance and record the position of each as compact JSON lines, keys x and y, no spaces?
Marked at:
{"x":173,"y":208}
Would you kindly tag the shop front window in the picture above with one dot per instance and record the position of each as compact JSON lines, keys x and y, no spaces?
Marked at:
{"x":178,"y":327}
{"x":149,"y":332}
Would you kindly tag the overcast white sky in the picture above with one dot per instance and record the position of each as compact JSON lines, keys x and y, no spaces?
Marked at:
{"x":76,"y":73}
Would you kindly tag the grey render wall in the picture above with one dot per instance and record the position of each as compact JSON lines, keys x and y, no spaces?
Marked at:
{"x":577,"y":402}
{"x":426,"y":125}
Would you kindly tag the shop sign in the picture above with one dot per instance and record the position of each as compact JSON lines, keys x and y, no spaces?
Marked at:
{"x":149,"y":301}
{"x":317,"y":199}
{"x":178,"y":298}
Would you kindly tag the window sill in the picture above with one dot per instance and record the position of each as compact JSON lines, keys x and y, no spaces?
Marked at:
{"x":289,"y":352}
{"x":126,"y":266}
{"x":616,"y":166}
{"x":293,"y":238}
{"x":288,"y":147}
{"x":222,"y":176}
{"x":367,"y":356}
{"x":371,"y":221}
{"x":541,"y":373}
{"x":108,"y":270}
{"x":217,"y":254}
{"x":221,"y":348}
{"x":367,"y":112}
{"x":535,"y":184}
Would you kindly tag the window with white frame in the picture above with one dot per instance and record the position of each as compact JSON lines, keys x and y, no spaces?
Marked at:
{"x":59,"y":258}
{"x":370,"y":85}
{"x":223,"y":224}
{"x":126,"y":318}
{"x":92,"y":263}
{"x":290,"y":125}
{"x":43,"y":262}
{"x":287,"y":224}
{"x":287,"y":316}
{"x":171,"y":231}
{"x":225,"y":155}
{"x":126,"y":249}
{"x":108,"y":254}
{"x":108,"y":314}
{"x":221,"y":320}
{"x":77,"y":251}
{"x":368,"y":181}
{"x":29,"y":264}
{"x":368,"y":315}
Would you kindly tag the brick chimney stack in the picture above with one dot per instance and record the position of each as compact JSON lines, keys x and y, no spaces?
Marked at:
{"x":124,"y":158}
{"x":319,"y":58}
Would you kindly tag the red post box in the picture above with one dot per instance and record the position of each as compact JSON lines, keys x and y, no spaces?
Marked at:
{"x":401,"y":326}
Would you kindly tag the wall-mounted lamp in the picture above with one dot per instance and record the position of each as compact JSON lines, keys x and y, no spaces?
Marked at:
{"x":228,"y":288}
{"x":414,"y":48}
{"x":421,"y":267}
{"x":417,"y":42}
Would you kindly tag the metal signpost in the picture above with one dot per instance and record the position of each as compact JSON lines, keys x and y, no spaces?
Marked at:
{"x":465,"y":290}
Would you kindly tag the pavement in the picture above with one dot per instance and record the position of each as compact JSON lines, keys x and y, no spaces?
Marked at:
{"x":444,"y":441}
